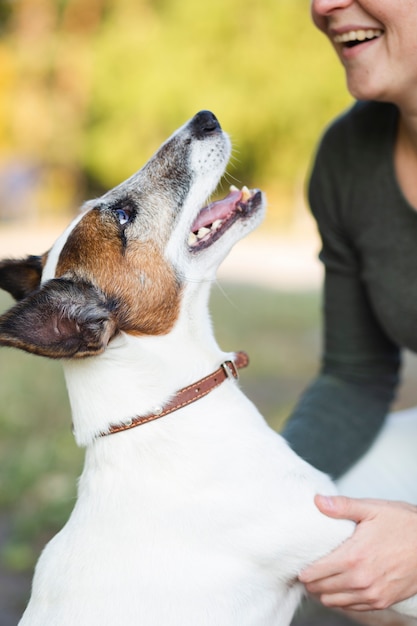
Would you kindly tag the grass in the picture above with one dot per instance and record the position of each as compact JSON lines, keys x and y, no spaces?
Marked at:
{"x":40,"y":462}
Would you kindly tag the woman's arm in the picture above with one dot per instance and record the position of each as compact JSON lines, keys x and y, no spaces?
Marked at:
{"x":339,"y":415}
{"x":341,"y":412}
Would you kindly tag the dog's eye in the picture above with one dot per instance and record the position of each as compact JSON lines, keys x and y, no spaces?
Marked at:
{"x":123,"y":215}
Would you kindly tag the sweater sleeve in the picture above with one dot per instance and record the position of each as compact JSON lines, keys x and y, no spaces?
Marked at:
{"x":341,"y":412}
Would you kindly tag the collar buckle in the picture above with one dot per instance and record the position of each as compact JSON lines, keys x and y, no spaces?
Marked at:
{"x":230,"y":369}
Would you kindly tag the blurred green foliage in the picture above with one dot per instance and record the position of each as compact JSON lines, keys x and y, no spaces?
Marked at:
{"x":90,"y":89}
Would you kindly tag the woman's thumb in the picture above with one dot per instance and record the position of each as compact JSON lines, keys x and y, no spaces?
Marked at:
{"x":342,"y":507}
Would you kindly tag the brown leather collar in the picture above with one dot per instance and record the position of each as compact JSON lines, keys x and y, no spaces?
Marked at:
{"x":189,"y":394}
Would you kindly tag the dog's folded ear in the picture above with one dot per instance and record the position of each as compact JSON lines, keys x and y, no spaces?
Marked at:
{"x":62,"y":319}
{"x":20,"y":277}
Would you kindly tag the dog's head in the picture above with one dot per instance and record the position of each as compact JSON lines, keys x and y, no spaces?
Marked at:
{"x":123,"y":263}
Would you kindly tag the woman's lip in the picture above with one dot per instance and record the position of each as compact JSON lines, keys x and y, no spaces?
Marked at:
{"x":362,"y":35}
{"x":350,"y":53}
{"x":339,"y":30}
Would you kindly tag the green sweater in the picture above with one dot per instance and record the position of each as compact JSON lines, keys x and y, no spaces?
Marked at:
{"x":369,"y":250}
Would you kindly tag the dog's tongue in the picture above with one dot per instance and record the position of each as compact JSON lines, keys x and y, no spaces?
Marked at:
{"x":217,"y":210}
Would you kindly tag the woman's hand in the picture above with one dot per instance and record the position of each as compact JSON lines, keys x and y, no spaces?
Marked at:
{"x":377,"y":566}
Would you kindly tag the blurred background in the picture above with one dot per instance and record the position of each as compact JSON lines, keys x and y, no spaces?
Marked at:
{"x":88,"y":91}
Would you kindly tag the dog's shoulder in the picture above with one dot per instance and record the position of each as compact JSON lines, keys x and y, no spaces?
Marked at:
{"x":302,"y":533}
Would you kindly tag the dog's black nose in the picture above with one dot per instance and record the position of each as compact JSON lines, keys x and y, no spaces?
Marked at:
{"x":205,"y":123}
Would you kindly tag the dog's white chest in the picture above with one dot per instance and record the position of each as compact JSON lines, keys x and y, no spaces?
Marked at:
{"x":205,"y":530}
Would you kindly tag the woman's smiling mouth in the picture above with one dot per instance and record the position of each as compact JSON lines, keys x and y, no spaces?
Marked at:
{"x":353,"y":38}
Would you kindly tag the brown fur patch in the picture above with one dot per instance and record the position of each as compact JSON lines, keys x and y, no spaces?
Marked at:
{"x":135,"y":275}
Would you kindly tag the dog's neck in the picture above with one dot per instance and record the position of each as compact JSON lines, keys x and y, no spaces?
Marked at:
{"x":137,"y":374}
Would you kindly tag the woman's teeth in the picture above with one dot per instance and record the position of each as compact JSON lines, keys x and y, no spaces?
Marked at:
{"x":358,"y":35}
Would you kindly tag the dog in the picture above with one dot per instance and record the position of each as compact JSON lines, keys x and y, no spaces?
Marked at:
{"x":191,"y":510}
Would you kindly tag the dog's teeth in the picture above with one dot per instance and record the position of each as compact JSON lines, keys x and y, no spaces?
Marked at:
{"x":192,"y":238}
{"x":216,"y":224}
{"x":233,"y":188}
{"x":246,"y":194}
{"x":202,"y":232}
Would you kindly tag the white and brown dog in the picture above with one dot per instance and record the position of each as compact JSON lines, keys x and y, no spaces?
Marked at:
{"x":204,"y":516}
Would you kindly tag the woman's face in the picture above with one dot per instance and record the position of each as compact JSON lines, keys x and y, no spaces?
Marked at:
{"x":376,"y":40}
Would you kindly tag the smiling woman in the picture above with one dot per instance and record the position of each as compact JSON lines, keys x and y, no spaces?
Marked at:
{"x":374,"y":62}
{"x":363,"y":193}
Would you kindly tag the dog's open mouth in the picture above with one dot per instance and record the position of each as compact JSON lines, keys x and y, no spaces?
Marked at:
{"x":214,"y":219}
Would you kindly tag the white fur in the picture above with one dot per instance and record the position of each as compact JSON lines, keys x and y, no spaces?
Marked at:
{"x":202,"y":518}
{"x":53,"y":256}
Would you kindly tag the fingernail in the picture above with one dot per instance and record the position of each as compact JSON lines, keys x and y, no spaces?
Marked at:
{"x":303,"y":577}
{"x":326,"y":501}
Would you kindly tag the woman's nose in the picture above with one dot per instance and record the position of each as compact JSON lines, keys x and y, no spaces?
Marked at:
{"x":321,"y":9}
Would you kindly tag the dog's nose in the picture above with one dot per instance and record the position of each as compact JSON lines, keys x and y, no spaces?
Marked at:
{"x":204,"y":123}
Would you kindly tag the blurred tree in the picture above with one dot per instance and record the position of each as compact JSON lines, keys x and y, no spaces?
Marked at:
{"x":5,"y":13}
{"x":89,"y":89}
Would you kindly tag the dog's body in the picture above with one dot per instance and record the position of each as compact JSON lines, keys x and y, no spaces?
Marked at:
{"x":203,"y":517}
{"x":205,"y":520}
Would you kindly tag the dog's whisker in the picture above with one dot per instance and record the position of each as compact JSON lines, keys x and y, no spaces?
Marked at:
{"x":222,"y":290}
{"x":230,"y":180}
{"x":188,"y":279}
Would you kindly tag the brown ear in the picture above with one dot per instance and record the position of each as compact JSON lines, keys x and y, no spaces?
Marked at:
{"x":21,"y":277}
{"x":61,"y":320}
